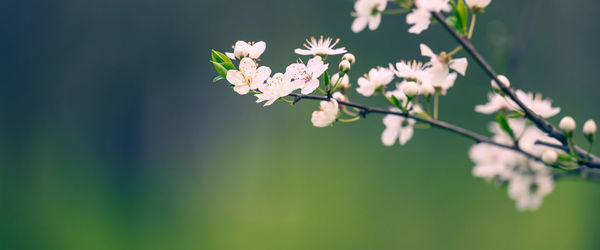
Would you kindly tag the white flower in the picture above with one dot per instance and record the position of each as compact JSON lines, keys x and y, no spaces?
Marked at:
{"x":420,"y":17}
{"x":398,"y":92}
{"x":496,"y":102}
{"x":349,"y":57}
{"x":248,"y":76}
{"x":589,"y":127}
{"x":549,"y":156}
{"x":410,"y":71}
{"x":502,"y":79}
{"x":344,"y":66}
{"x":320,"y":47}
{"x":343,"y":83}
{"x":567,"y":124}
{"x":243,"y":49}
{"x":326,"y":114}
{"x":367,"y":12}
{"x":410,"y":89}
{"x":376,"y":78}
{"x":307,"y":76}
{"x":478,"y":4}
{"x":492,"y":162}
{"x":535,"y":103}
{"x":528,"y":190}
{"x":398,"y":127}
{"x":527,"y":141}
{"x":277,"y":86}
{"x":442,"y":63}
{"x":426,"y":89}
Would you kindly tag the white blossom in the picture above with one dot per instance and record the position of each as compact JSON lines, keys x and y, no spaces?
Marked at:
{"x":426,"y":89}
{"x":503,"y":79}
{"x":535,"y":103}
{"x":495,"y":103}
{"x":420,"y":17}
{"x":376,"y":78}
{"x":410,"y":89}
{"x":349,"y":57}
{"x":589,"y":127}
{"x":567,"y":123}
{"x":411,"y":70}
{"x":343,"y":83}
{"x":367,"y":12}
{"x":398,"y":127}
{"x":480,"y":4}
{"x":248,"y":76}
{"x":492,"y":162}
{"x":326,"y":114}
{"x":277,"y":86}
{"x":344,"y":66}
{"x":443,"y":63}
{"x":321,"y":47}
{"x":307,"y":76}
{"x":243,"y":49}
{"x":528,"y":190}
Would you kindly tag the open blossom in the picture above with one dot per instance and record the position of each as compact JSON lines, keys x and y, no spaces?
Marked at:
{"x":420,"y":17}
{"x":320,"y":47}
{"x":535,"y":103}
{"x":481,"y":4}
{"x":243,"y":49}
{"x":277,"y":86}
{"x":326,"y":114}
{"x":410,"y":70}
{"x":529,"y":190}
{"x":248,"y":76}
{"x":443,"y":63}
{"x":495,"y":103}
{"x":307,"y":76}
{"x":398,"y":127}
{"x":368,"y":12}
{"x":376,"y":78}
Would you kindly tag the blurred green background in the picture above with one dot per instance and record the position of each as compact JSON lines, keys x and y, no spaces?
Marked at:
{"x":113,"y":136}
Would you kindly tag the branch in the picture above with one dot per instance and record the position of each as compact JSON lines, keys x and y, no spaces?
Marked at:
{"x":584,"y":171}
{"x":536,"y":119}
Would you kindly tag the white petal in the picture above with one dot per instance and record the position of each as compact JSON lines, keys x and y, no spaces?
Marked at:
{"x":388,"y":137}
{"x":310,"y":86}
{"x":405,"y":134}
{"x":242,"y":89}
{"x":374,"y":22}
{"x":426,"y":51}
{"x":230,"y":55}
{"x":235,"y":77}
{"x":257,"y":49}
{"x":359,"y":24}
{"x":303,"y":52}
{"x":460,"y":65}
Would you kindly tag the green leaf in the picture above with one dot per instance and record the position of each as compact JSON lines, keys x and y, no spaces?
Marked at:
{"x":504,"y":124}
{"x":220,"y":69}
{"x":452,"y":21}
{"x":220,"y":57}
{"x":228,"y":65}
{"x":218,"y":78}
{"x":565,"y":157}
{"x":326,"y":79}
{"x":463,"y":15}
{"x":396,"y":102}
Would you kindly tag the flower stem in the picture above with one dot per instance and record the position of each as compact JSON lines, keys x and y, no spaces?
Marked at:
{"x":436,"y":109}
{"x":395,"y":11}
{"x":454,"y":51}
{"x":348,"y":120}
{"x":472,"y":26}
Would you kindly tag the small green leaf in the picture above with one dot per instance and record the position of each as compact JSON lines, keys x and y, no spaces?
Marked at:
{"x":396,"y":102}
{"x":515,"y":115}
{"x":220,"y":69}
{"x":228,"y":65}
{"x":463,"y":15}
{"x":504,"y":124}
{"x":217,"y":78}
{"x":219,"y":57}
{"x":326,"y":79}
{"x":451,"y":20}
{"x":565,"y":157}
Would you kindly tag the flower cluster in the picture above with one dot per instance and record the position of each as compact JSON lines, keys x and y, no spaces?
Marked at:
{"x":525,"y":152}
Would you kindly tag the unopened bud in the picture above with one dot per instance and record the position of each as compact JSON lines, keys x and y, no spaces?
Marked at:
{"x":427,"y":89}
{"x":567,"y":124}
{"x":503,"y":80}
{"x":410,"y":89}
{"x":349,"y":57}
{"x":344,"y":66}
{"x":342,"y":83}
{"x":589,"y":127}
{"x":549,"y":156}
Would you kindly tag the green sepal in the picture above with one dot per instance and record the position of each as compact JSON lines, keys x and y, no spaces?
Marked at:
{"x":396,"y":102}
{"x":565,"y":157}
{"x":228,"y":65}
{"x":451,"y":20}
{"x":504,"y":124}
{"x":220,"y":69}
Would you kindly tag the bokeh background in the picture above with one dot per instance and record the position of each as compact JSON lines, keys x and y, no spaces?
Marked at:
{"x":113,"y":136}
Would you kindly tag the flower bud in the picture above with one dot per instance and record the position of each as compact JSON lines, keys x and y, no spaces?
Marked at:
{"x":589,"y":127}
{"x":410,"y":89}
{"x":427,"y":89}
{"x":503,"y":80}
{"x":343,"y":83}
{"x":349,"y":57}
{"x":567,"y":124}
{"x":344,"y":66}
{"x":549,"y":156}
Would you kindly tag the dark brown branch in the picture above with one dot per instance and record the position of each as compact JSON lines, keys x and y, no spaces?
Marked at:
{"x":535,"y":118}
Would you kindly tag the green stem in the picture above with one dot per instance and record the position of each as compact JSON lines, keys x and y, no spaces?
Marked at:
{"x":472,"y":28}
{"x":395,"y":11}
{"x":349,"y":120}
{"x":436,"y":101}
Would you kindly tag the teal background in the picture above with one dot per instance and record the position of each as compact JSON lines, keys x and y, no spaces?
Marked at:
{"x":113,"y":136}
